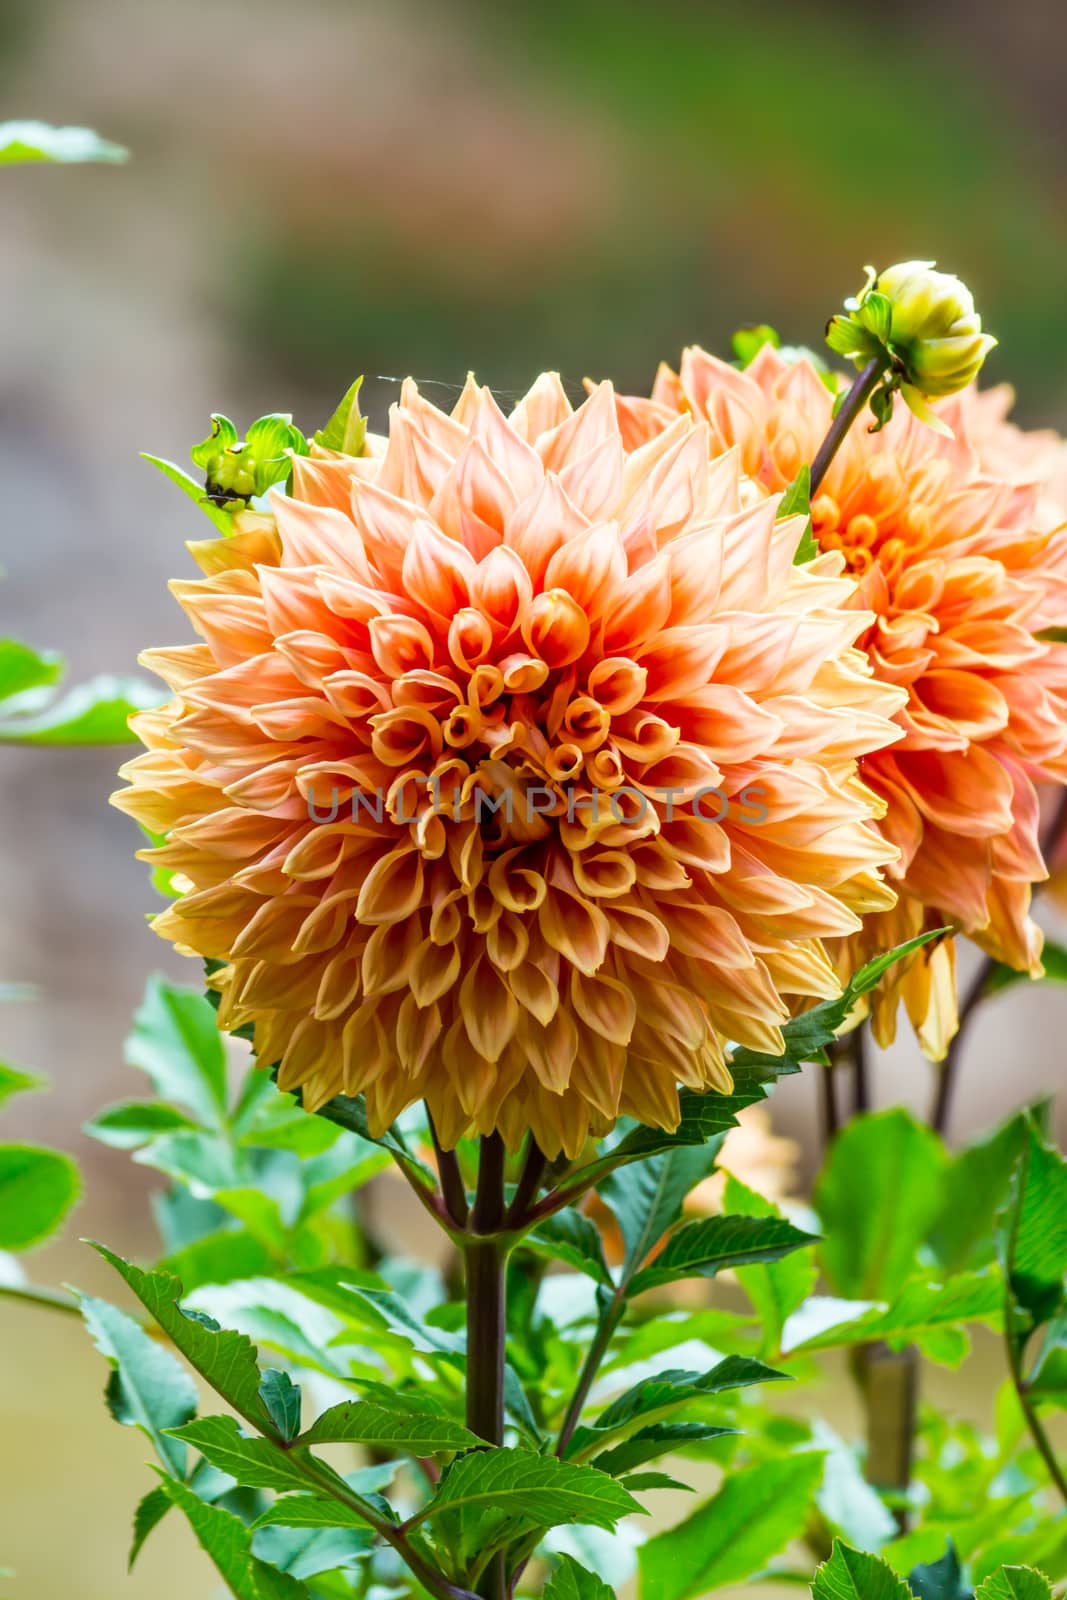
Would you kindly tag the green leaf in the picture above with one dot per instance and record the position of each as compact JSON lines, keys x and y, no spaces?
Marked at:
{"x":281,"y":1396}
{"x":649,"y":1201}
{"x":37,"y":1189}
{"x":151,"y":1510}
{"x":775,"y":1288}
{"x":939,"y":1580}
{"x":255,"y":1463}
{"x":229,"y":1544}
{"x":309,"y":1511}
{"x":796,"y":502}
{"x":1048,"y":1378}
{"x":176,"y":1041}
{"x":222,"y":519}
{"x":974,"y":1188}
{"x":920,"y":1309}
{"x":572,"y":1581}
{"x":490,"y":1495}
{"x":13,"y":1082}
{"x":148,"y":1389}
{"x":668,"y":1391}
{"x":1053,"y":959}
{"x":350,"y":1112}
{"x":22,"y":668}
{"x":1052,"y":635}
{"x":572,"y":1237}
{"x":1032,"y":1230}
{"x":748,"y":341}
{"x":754,"y":1515}
{"x":648,"y":1444}
{"x":308,"y":1553}
{"x":96,"y":712}
{"x":360,"y":1422}
{"x":877,"y":1197}
{"x":135,"y":1122}
{"x":346,"y":430}
{"x":227,"y":1360}
{"x":1015,"y":1583}
{"x":39,"y":141}
{"x":856,"y":1575}
{"x":710,"y":1245}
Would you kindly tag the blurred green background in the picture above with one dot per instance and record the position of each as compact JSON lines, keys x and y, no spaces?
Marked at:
{"x":424,"y":186}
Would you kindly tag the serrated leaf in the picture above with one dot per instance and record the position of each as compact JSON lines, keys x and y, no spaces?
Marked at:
{"x":659,"y":1439}
{"x":149,"y":1389}
{"x":775,"y":1288}
{"x":489,"y":1495}
{"x":229,"y":1544}
{"x":857,"y":1575}
{"x":151,"y":1510}
{"x":227,"y":1360}
{"x":22,"y":668}
{"x":668,"y":1391}
{"x":572,"y":1581}
{"x":255,"y":1463}
{"x":709,"y":1245}
{"x":175,"y":1040}
{"x":754,"y":1515}
{"x":135,"y":1122}
{"x":308,"y":1511}
{"x":96,"y":712}
{"x":360,"y":1422}
{"x":572,"y":1237}
{"x":13,"y":1081}
{"x":38,"y":1187}
{"x":920,"y":1309}
{"x":648,"y":1201}
{"x":877,"y":1197}
{"x":348,"y":1111}
{"x":281,"y":1396}
{"x":40,"y":141}
{"x":1015,"y":1583}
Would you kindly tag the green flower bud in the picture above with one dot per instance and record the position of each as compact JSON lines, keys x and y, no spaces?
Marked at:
{"x":924,"y":325}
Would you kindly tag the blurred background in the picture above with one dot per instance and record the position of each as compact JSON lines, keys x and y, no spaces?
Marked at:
{"x":421,"y":186}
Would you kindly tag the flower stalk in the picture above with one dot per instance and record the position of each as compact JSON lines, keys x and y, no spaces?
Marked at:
{"x":856,"y":398}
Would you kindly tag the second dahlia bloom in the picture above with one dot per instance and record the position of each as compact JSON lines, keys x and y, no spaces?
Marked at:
{"x":515,"y":770}
{"x":959,"y":549}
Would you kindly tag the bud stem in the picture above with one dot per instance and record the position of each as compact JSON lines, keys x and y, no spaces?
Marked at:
{"x":866,"y":383}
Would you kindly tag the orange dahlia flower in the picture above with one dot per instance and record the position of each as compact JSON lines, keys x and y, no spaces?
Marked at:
{"x":959,"y":549}
{"x":515,"y":771}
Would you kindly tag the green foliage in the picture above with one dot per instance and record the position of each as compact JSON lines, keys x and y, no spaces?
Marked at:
{"x":703,"y":1248}
{"x":797,"y":502}
{"x":385,"y":1428}
{"x":228,"y":1542}
{"x":487,"y":1498}
{"x":1015,"y":1583}
{"x":13,"y":1081}
{"x":877,"y":1197}
{"x":854,"y":1575}
{"x":37,"y":1189}
{"x":775,"y":1288}
{"x":749,"y":341}
{"x":226,"y":1360}
{"x":346,"y":430}
{"x":733,"y":1535}
{"x":1032,"y":1232}
{"x":147,"y":1389}
{"x":38,"y":141}
{"x":571,"y":1581}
